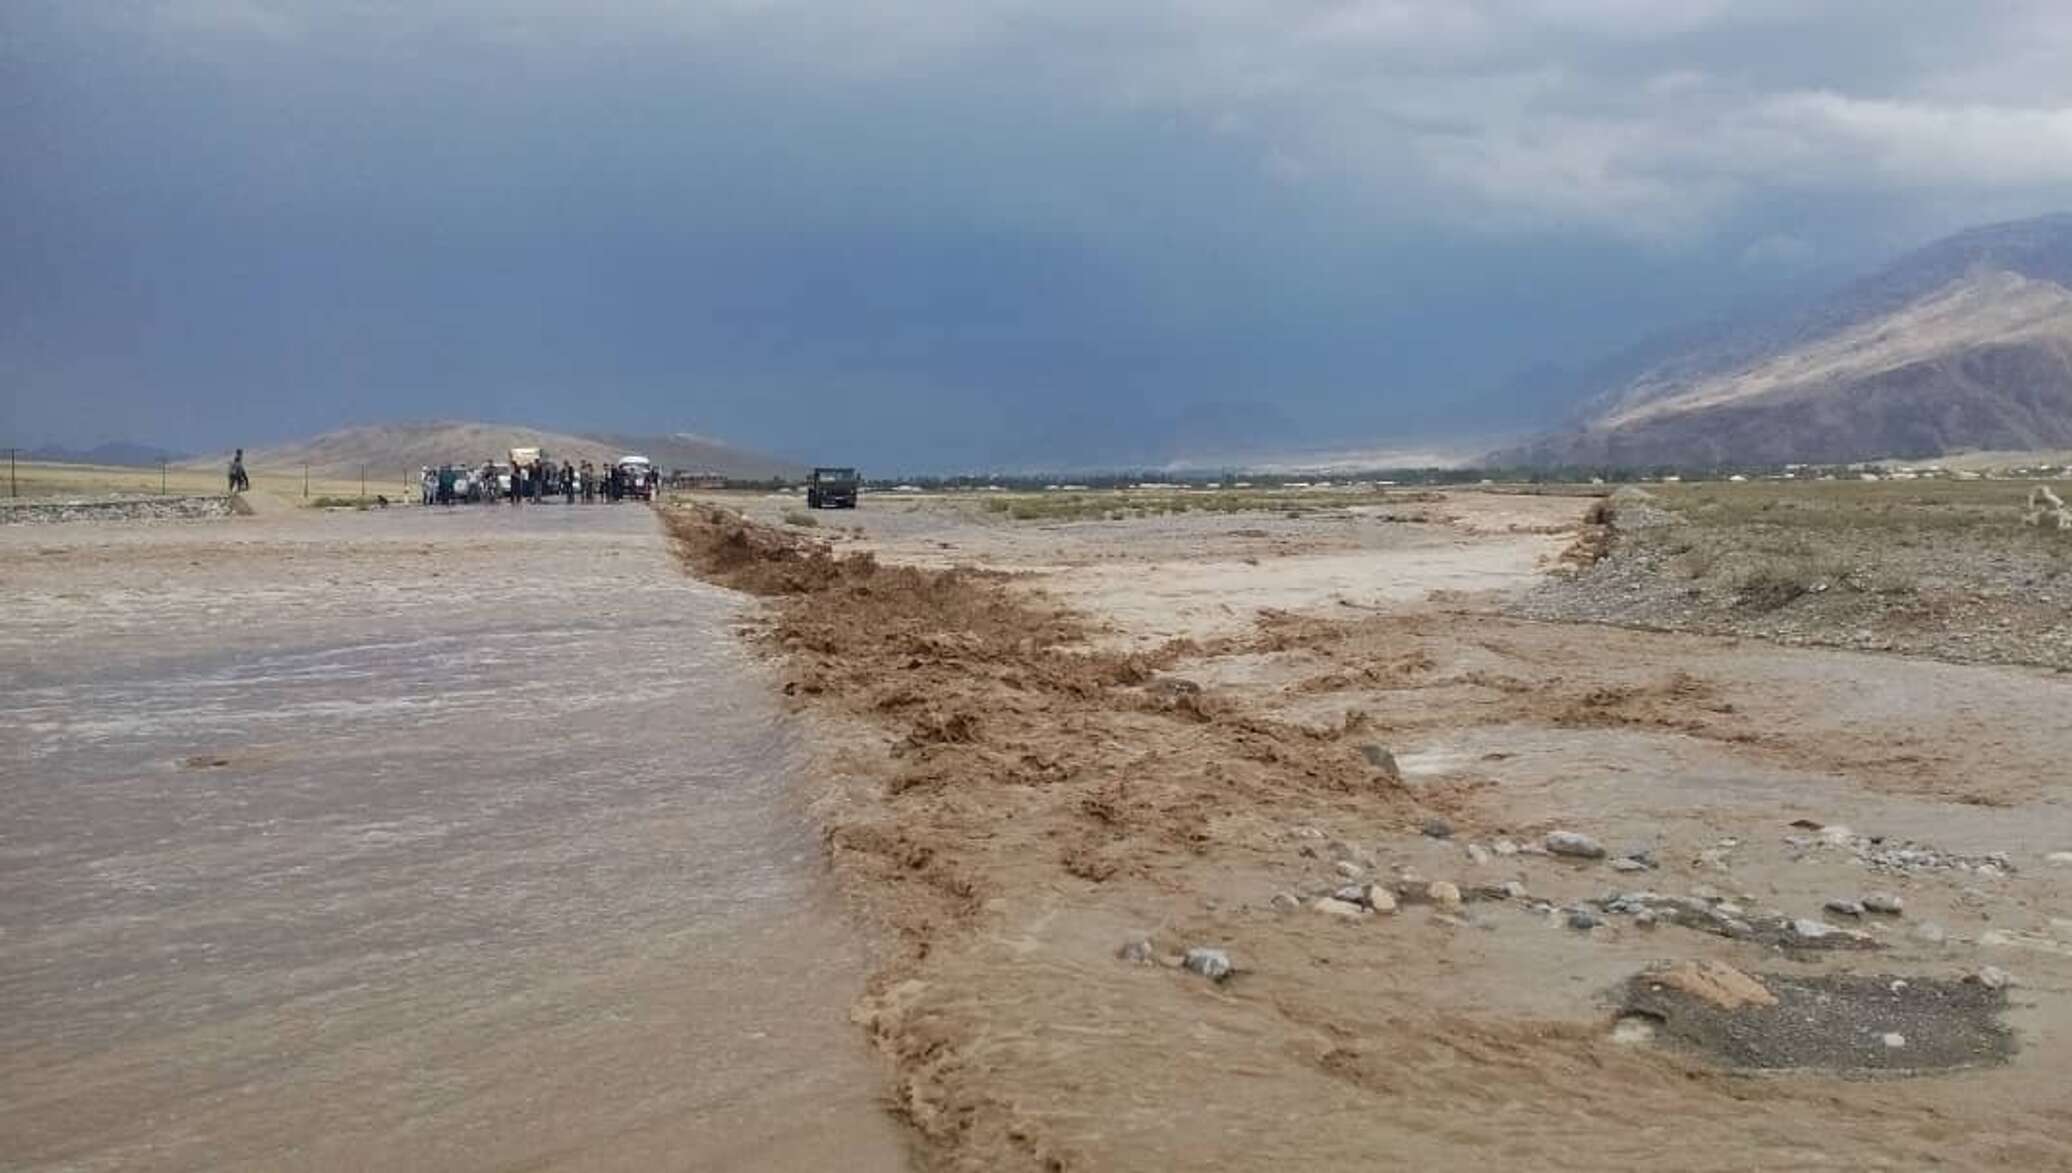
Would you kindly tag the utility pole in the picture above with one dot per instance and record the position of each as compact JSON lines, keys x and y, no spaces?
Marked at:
{"x":305,"y":480}
{"x":363,"y":484}
{"x":14,"y":487}
{"x":161,"y":478}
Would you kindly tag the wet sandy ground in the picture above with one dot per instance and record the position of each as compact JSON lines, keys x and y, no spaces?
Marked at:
{"x":408,"y":839}
{"x":1059,"y":823}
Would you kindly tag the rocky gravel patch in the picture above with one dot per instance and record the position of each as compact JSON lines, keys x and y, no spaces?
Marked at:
{"x":1860,"y":1024}
{"x":115,"y":509}
{"x":1993,"y":592}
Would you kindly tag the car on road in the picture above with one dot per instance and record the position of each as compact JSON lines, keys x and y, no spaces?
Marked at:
{"x":832,"y":488}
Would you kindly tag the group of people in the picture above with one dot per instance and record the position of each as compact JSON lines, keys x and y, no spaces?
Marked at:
{"x":518,"y":483}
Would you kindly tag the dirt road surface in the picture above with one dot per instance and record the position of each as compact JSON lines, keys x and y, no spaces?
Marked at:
{"x":408,"y":840}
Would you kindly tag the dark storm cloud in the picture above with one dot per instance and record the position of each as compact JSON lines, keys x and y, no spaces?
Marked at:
{"x":955,"y":233}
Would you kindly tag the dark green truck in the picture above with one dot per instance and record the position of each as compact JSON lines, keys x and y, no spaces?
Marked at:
{"x":831,"y":488}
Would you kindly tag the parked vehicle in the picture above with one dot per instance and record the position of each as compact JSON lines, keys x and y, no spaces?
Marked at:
{"x":637,"y":477}
{"x":831,"y":488}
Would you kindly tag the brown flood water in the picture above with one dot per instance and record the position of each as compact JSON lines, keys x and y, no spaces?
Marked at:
{"x":408,"y":840}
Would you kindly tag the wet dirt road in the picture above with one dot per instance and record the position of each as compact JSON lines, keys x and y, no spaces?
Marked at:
{"x":407,"y":839}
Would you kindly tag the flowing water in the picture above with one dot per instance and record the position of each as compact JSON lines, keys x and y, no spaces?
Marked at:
{"x":412,"y":839}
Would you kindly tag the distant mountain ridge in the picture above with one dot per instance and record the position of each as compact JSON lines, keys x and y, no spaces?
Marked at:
{"x":1966,"y":343}
{"x":391,"y":451}
{"x":118,"y":453}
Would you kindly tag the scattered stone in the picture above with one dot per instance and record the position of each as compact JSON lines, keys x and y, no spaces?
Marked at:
{"x":1438,"y":828}
{"x":1506,"y":847}
{"x":1514,"y":889}
{"x":1628,"y":864}
{"x":1992,"y":977}
{"x":1341,"y":850}
{"x":1351,"y":894}
{"x":1349,"y":869}
{"x":1931,"y":932}
{"x":1645,"y":920}
{"x":1714,"y":982}
{"x":1582,"y":919}
{"x":1332,"y":906}
{"x":1137,"y":952}
{"x":1383,"y":761}
{"x":1633,"y":1030}
{"x":1845,"y":907}
{"x":1643,"y":856}
{"x":1894,"y":1039}
{"x":1478,"y":854}
{"x":1573,"y":845}
{"x":1813,"y":930}
{"x":1308,"y":833}
{"x":1444,"y":894}
{"x":1885,"y":903}
{"x":1380,"y":899}
{"x":1708,"y":892}
{"x":1286,"y":902}
{"x":1213,"y":964}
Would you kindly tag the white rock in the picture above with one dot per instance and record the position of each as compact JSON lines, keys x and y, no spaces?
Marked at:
{"x":1574,"y":845}
{"x":1380,"y":898}
{"x":1628,"y":865}
{"x":1506,"y":847}
{"x":1332,"y":906}
{"x":1350,"y":870}
{"x":1888,"y":903}
{"x":1213,"y":964}
{"x":1894,"y":1039}
{"x":1478,"y":854}
{"x":1836,"y":835}
{"x":1845,"y":907}
{"x":1286,"y":902}
{"x":1812,"y":930}
{"x":1993,"y":977}
{"x":1444,"y":894}
{"x":1137,"y":952}
{"x":1514,"y":889}
{"x":1632,"y":1030}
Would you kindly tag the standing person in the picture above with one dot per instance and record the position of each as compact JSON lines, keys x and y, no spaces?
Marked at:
{"x":239,"y":482}
{"x":445,"y":484}
{"x":514,"y":482}
{"x":568,"y":483}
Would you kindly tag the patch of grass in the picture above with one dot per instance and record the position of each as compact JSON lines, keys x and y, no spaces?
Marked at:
{"x":800,"y":518}
{"x":353,"y":502}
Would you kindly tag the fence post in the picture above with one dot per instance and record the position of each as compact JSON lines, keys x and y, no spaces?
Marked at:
{"x":363,"y":484}
{"x":161,"y":478}
{"x":305,"y":480}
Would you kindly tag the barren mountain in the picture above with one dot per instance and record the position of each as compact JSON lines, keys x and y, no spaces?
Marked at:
{"x":391,"y":451}
{"x":1964,"y":344}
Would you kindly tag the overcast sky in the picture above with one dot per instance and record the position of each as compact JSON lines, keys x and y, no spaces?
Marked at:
{"x":954,"y":233}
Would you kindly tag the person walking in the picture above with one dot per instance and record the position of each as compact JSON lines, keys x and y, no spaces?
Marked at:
{"x":516,"y":484}
{"x":568,"y":483}
{"x":239,"y":482}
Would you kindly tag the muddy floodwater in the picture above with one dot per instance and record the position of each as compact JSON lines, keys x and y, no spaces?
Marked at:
{"x":422,"y":839}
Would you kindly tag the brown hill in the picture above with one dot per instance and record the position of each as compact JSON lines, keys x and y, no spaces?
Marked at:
{"x":397,"y":451}
{"x":1964,"y":345}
